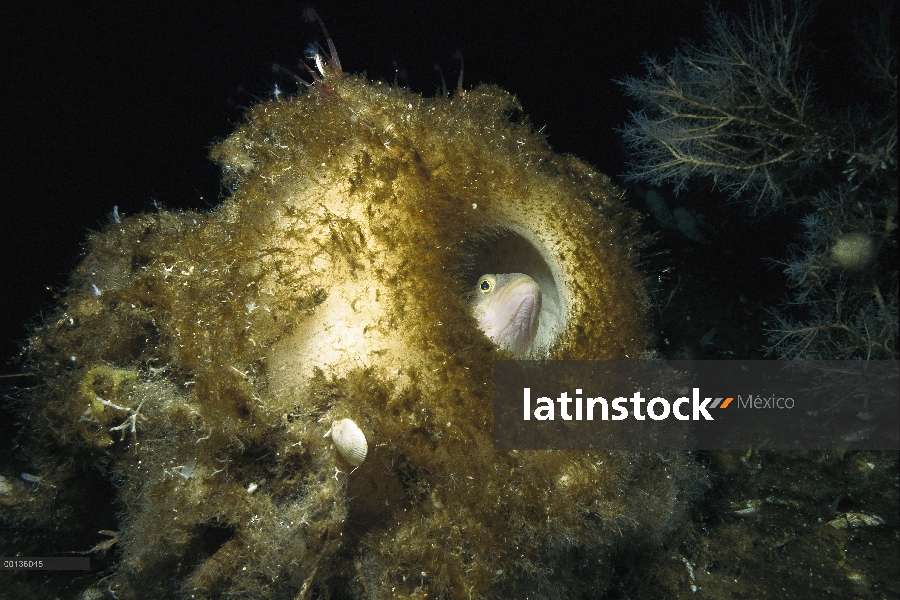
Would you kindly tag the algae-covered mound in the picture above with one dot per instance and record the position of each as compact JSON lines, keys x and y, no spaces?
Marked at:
{"x":198,"y":362}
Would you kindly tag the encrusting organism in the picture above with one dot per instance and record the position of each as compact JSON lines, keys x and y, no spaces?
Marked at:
{"x":307,"y":384}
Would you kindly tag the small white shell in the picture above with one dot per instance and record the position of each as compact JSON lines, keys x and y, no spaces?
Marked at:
{"x":350,"y":441}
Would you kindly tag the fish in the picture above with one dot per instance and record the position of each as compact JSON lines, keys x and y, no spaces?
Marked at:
{"x":507,"y":307}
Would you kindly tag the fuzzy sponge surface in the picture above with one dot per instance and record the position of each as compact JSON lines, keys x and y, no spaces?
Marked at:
{"x":200,"y":359}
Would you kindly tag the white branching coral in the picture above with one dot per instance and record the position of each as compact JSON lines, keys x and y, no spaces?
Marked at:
{"x":741,"y":112}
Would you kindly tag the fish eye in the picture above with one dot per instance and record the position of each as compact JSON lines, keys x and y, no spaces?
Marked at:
{"x":486,"y":284}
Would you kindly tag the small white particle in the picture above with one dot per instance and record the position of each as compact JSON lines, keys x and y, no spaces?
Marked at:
{"x":474,"y":206}
{"x":252,"y":488}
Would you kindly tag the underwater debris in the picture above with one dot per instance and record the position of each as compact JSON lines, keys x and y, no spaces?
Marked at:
{"x":336,"y":279}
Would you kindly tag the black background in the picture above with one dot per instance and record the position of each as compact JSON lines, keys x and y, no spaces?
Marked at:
{"x":108,"y":104}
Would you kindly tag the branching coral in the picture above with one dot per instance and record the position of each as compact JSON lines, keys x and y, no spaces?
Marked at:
{"x":742,"y":111}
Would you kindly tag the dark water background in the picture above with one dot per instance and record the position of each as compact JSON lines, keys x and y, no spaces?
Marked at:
{"x":108,"y":105}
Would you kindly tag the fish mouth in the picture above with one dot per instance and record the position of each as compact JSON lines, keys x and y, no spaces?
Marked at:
{"x":509,"y":250}
{"x":514,"y":318}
